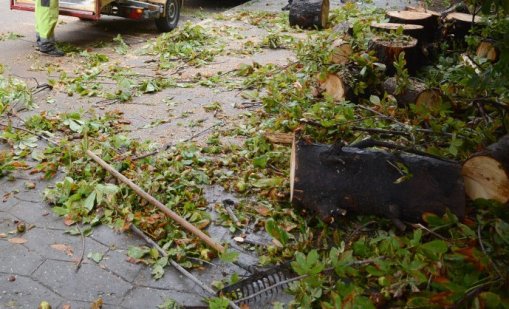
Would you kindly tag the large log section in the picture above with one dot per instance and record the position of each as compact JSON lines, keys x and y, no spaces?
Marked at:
{"x":309,"y":13}
{"x":332,"y":181}
{"x":487,"y":173}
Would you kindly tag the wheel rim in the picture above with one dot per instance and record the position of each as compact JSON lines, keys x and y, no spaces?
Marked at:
{"x":171,"y":10}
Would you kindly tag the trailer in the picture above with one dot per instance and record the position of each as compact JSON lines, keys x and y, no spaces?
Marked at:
{"x":165,"y":13}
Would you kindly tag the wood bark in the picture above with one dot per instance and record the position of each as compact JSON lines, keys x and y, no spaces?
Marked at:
{"x":415,"y":31}
{"x":416,"y":92}
{"x":309,"y":13}
{"x":428,"y":21}
{"x":486,"y":173}
{"x":388,"y":51}
{"x":333,"y":180}
{"x":341,"y":52}
{"x":459,"y":24}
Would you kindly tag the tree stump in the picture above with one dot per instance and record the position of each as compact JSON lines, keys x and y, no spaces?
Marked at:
{"x":309,"y":13}
{"x":333,"y":180}
{"x":459,"y":24}
{"x":388,"y":50}
{"x":486,"y":173}
{"x":416,"y":92}
{"x":428,"y":21}
{"x":415,"y":31}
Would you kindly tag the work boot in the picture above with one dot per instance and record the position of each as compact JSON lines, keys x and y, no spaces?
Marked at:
{"x":54,"y":52}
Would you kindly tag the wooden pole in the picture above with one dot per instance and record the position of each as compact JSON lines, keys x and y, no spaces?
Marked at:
{"x":181,"y":221}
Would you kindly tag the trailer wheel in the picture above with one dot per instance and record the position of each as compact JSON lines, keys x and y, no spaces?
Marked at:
{"x":171,"y":16}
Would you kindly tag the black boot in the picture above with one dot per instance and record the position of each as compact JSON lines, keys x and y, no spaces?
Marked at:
{"x":54,"y":52}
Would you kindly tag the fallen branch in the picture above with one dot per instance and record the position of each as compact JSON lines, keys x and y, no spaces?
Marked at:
{"x":178,"y":219}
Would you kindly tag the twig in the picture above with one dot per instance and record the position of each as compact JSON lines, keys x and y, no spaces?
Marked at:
{"x":169,"y":145}
{"x":182,"y":270}
{"x":30,"y":132}
{"x":226,"y":204}
{"x":481,"y":244}
{"x":420,"y":226}
{"x":80,"y":261}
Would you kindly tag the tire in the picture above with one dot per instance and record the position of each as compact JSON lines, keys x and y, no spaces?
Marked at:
{"x":170,"y":19}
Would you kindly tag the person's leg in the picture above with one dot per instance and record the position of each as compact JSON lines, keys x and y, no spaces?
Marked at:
{"x":46,"y":18}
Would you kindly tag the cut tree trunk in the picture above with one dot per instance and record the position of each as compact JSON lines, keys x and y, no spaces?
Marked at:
{"x":333,"y":180}
{"x":459,"y":24}
{"x":416,"y":92}
{"x":487,"y":173}
{"x":388,"y":51}
{"x":488,"y":50}
{"x":341,"y":52}
{"x":428,"y":21}
{"x":309,"y":13}
{"x":334,"y":86}
{"x":415,"y":31}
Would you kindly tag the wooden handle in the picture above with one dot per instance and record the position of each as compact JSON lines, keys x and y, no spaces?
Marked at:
{"x":181,"y":221}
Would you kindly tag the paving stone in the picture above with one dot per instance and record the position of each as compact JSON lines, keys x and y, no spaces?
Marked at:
{"x":172,"y":279}
{"x":25,"y":293}
{"x":41,"y":239}
{"x":22,"y":261}
{"x":7,"y":202}
{"x":144,"y":297}
{"x":116,"y":261}
{"x":105,"y":235}
{"x":38,"y":214}
{"x":7,"y":222}
{"x":88,"y":284}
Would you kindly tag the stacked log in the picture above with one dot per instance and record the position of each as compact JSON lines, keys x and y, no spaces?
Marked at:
{"x":488,"y":50}
{"x":341,"y":52}
{"x":459,"y":24}
{"x":334,"y":86}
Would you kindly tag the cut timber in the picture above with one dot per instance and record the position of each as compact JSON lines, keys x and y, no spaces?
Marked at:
{"x":309,"y":13}
{"x":387,"y":51}
{"x":415,"y":31}
{"x":416,"y":92}
{"x":334,"y":86}
{"x":341,"y":52}
{"x":486,"y":173}
{"x":279,"y":138}
{"x":488,"y":50}
{"x":332,"y":180}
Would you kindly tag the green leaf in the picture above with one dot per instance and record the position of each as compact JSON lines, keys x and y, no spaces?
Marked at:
{"x":137,"y":252}
{"x":435,"y":248}
{"x":229,"y":256}
{"x":90,"y":201}
{"x":218,"y":303}
{"x":276,"y":232}
{"x":268,"y":182}
{"x":96,"y":256}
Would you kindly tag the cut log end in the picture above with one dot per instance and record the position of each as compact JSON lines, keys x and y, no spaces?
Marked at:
{"x":293,"y":167}
{"x":415,"y":31}
{"x":334,"y":86}
{"x":341,"y":52}
{"x":408,"y":15}
{"x":485,"y":178}
{"x":462,"y":17}
{"x":487,"y":50}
